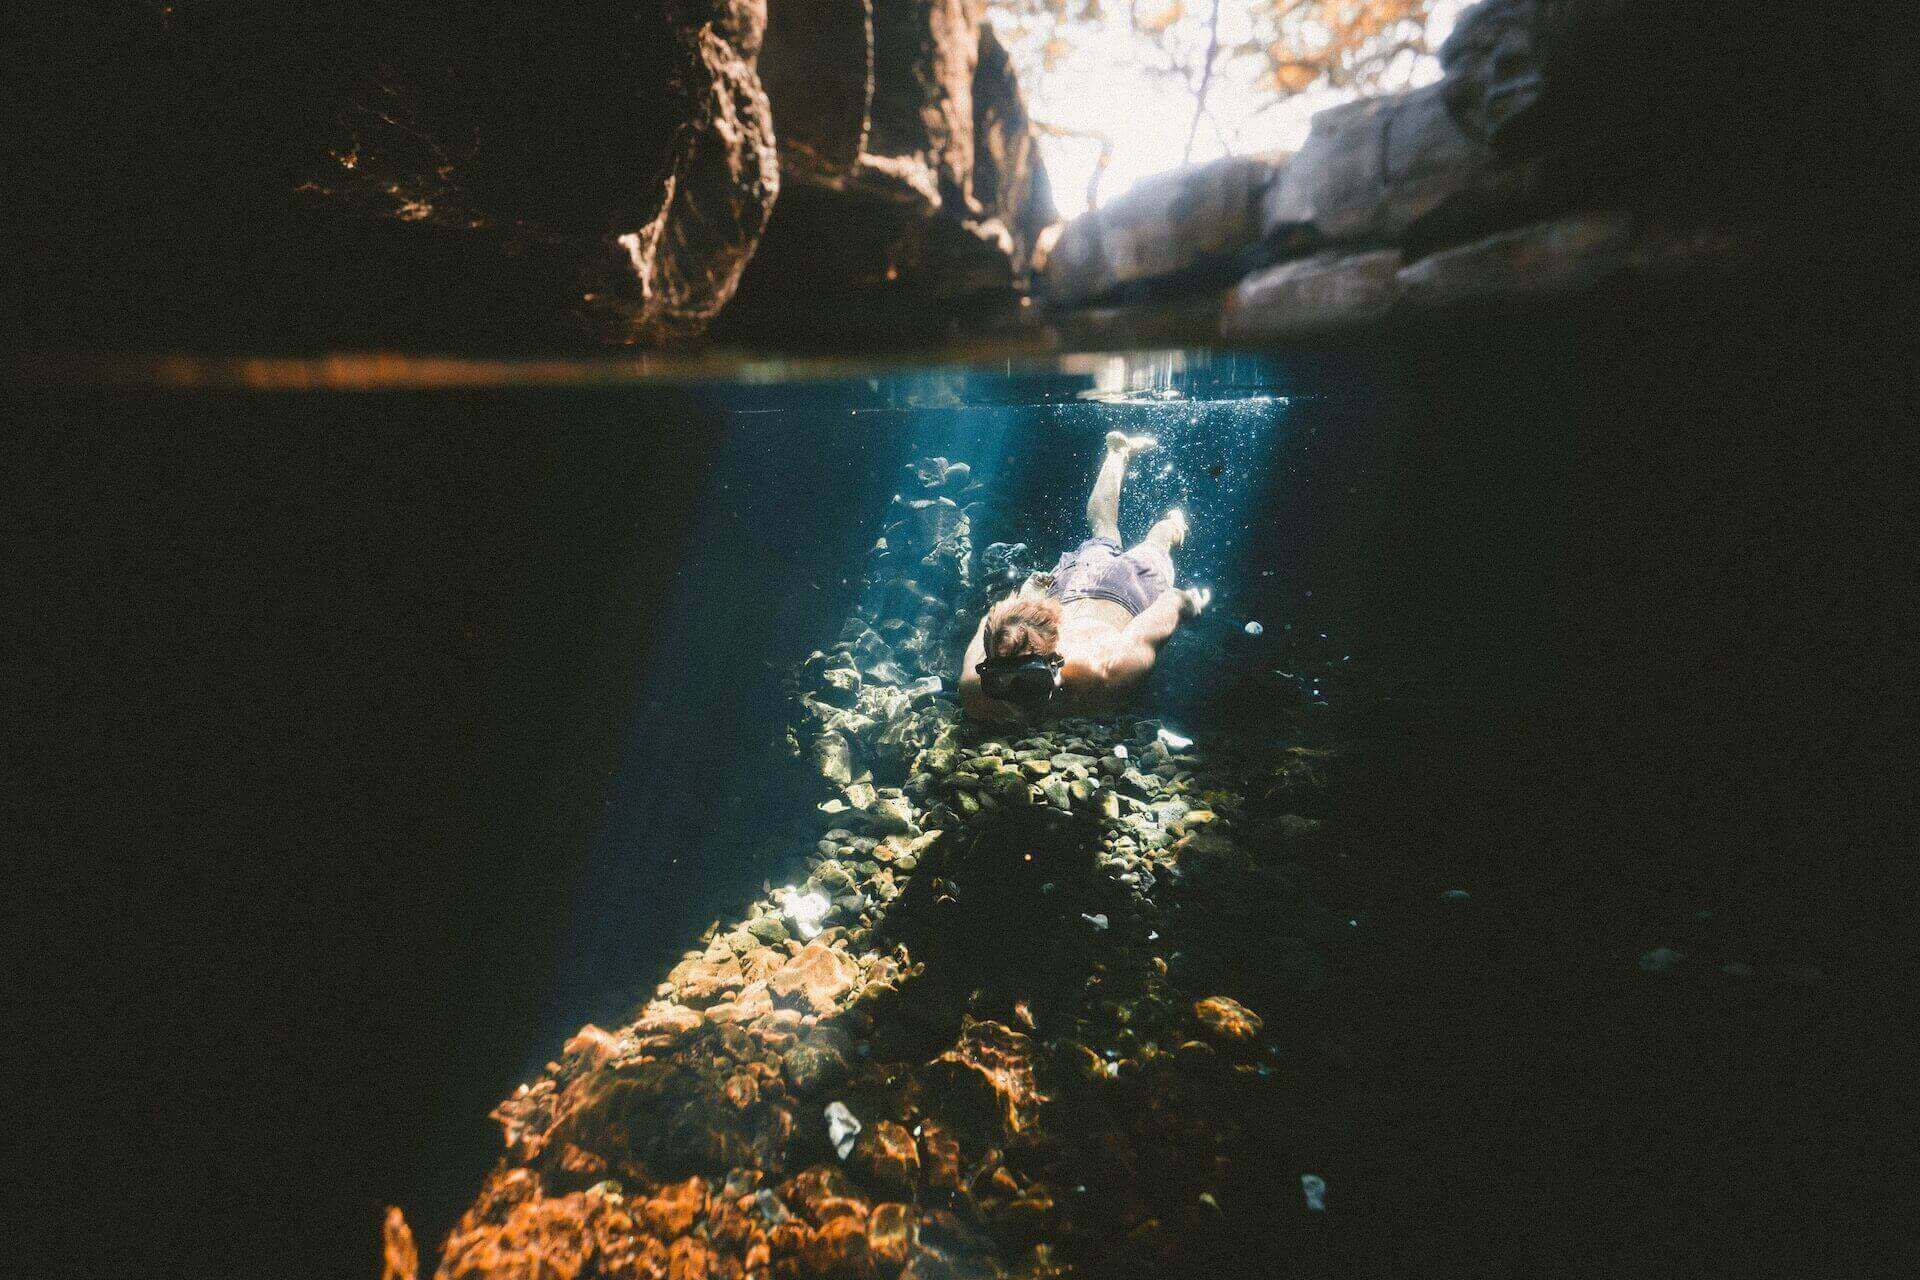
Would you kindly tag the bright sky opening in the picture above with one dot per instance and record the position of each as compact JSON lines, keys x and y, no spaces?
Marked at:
{"x":1114,"y":83}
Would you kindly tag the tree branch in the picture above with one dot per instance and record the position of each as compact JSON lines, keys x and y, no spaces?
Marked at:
{"x":1099,"y":165}
{"x":1206,"y":82}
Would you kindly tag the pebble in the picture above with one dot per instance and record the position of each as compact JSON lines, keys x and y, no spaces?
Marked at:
{"x":1314,"y":1188}
{"x":842,"y":1128}
{"x":1660,"y":959}
{"x":768,"y":929}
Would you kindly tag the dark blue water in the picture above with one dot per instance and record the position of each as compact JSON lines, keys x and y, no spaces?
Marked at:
{"x":389,"y":738}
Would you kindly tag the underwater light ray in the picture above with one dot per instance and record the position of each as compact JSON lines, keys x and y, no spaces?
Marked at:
{"x":744,"y":564}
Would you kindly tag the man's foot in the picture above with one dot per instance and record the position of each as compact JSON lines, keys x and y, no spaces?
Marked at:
{"x":1121,"y":442}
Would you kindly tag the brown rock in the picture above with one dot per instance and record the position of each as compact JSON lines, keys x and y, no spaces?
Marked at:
{"x":528,"y":1116}
{"x":993,"y":1064}
{"x":838,"y":1250}
{"x":886,"y":1156}
{"x":1545,"y":260}
{"x":785,"y":1021}
{"x":754,"y":1001}
{"x":1027,"y":1217}
{"x":591,"y":1044}
{"x":742,"y":1090}
{"x":762,"y":963}
{"x":609,"y":171}
{"x":1082,"y":1062}
{"x":689,"y":1259}
{"x":664,"y":1018}
{"x":400,"y":1257}
{"x":940,"y":1156}
{"x":1227,"y":1019}
{"x":729,"y":1224}
{"x":823,"y":1192}
{"x":816,"y":979}
{"x":672,"y":1210}
{"x":786,"y":1247}
{"x":890,"y":1236}
{"x":1494,"y":79}
{"x":817,"y":65}
{"x":913,"y":165}
{"x":518,"y":1231}
{"x":706,"y":978}
{"x":578,"y":1162}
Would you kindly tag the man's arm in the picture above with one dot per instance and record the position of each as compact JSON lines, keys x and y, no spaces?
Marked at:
{"x":1133,"y":656}
{"x":972,"y":700}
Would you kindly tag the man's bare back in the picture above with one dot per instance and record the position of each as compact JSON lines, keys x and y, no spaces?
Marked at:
{"x":1100,"y":623}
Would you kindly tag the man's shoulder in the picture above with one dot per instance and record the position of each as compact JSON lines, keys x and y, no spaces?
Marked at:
{"x":1107,"y":663}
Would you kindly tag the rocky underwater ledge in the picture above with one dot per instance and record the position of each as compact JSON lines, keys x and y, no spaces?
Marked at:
{"x":1100,"y":999}
{"x":1004,"y":1023}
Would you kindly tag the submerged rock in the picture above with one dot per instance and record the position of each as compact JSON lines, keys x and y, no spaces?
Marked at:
{"x":818,"y":1061}
{"x":1226,"y":1019}
{"x":992,"y":1066}
{"x":886,"y":1158}
{"x":843,"y":1127}
{"x":816,"y":979}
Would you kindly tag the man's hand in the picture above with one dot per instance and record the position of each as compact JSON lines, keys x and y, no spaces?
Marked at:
{"x":1121,"y":442}
{"x":1194,"y":601}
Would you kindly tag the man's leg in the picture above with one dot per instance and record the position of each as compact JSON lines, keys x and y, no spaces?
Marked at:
{"x":1156,"y":549}
{"x":1168,"y":532}
{"x":1103,"y":504}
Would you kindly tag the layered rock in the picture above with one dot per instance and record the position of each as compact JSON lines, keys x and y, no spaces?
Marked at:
{"x":639,"y":224}
{"x":1173,"y":227}
{"x":1569,"y":144}
{"x":372,"y":174}
{"x":914,"y":172}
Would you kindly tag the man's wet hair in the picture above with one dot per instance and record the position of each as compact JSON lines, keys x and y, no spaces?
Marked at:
{"x":1023,"y":623}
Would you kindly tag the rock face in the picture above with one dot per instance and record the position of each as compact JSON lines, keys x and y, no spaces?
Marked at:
{"x":399,"y":173}
{"x":1568,"y":143}
{"x":1162,"y":229}
{"x":1371,"y":170}
{"x":914,"y":172}
{"x":379,"y":172}
{"x":657,"y":215}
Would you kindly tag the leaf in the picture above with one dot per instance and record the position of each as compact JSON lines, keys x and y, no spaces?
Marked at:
{"x":1156,"y":23}
{"x":1294,"y":77}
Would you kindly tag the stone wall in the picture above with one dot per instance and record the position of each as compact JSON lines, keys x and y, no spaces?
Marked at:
{"x":916,"y":191}
{"x":1570,"y":144}
{"x":211,"y":174}
{"x":222,"y":175}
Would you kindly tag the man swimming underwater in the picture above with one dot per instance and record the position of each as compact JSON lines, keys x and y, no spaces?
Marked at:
{"x":1079,"y":643}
